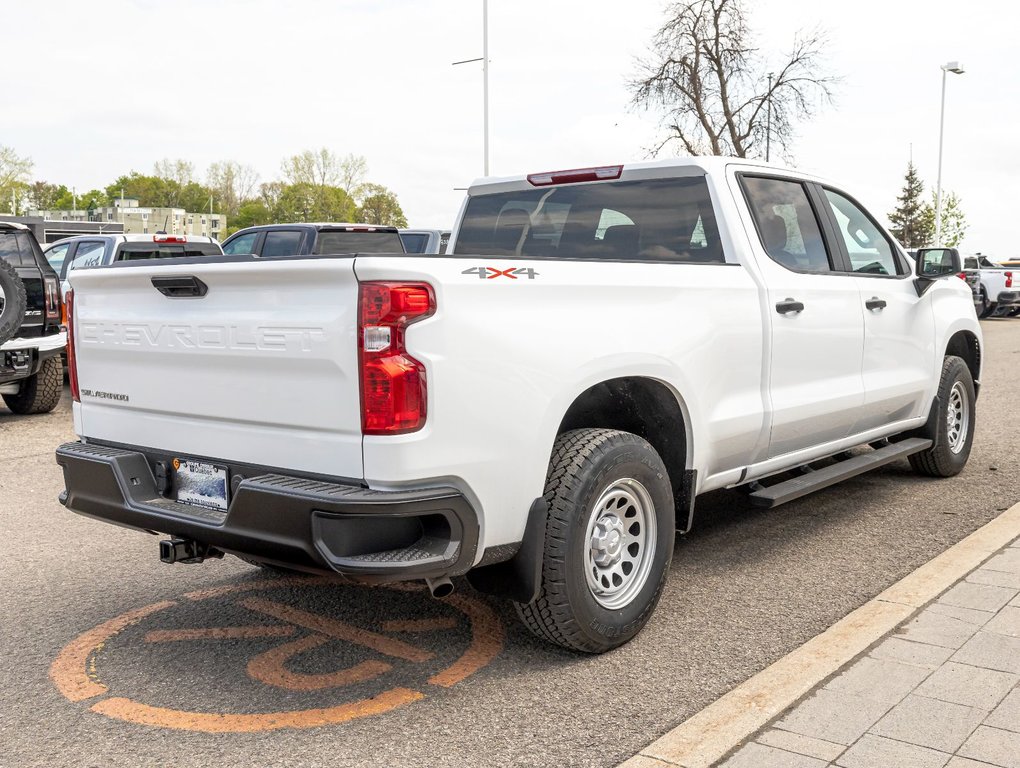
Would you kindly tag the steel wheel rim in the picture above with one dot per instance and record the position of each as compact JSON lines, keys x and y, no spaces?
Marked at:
{"x":957,"y":418}
{"x":619,"y":543}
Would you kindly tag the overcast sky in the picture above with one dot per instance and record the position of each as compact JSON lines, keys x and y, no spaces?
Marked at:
{"x":97,"y":89}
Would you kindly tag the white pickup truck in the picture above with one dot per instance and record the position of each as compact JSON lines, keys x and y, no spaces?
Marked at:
{"x":538,"y":408}
{"x":998,"y":287}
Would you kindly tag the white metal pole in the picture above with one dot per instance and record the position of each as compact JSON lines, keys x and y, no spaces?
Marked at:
{"x":485,"y":79}
{"x":938,"y":183}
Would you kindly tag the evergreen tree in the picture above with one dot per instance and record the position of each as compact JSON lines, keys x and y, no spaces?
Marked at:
{"x":908,"y":221}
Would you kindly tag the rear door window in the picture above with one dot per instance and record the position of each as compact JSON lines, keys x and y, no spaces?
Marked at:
{"x":9,"y":251}
{"x":282,"y":242}
{"x":656,"y":220}
{"x":415,"y":242}
{"x":786,"y":223}
{"x":89,"y":253}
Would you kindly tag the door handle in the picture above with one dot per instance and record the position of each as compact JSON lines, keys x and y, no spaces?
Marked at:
{"x":875,"y":303}
{"x":788,"y":306}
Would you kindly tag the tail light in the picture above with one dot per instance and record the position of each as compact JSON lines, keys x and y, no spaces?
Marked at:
{"x":72,"y":362}
{"x":962,"y":276}
{"x":51,"y":286}
{"x":393,"y":392}
{"x":1009,"y":279}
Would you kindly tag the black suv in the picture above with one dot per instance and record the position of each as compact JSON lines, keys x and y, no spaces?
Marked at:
{"x":31,"y":335}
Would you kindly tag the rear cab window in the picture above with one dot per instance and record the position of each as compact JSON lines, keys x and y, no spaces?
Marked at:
{"x":336,"y":241}
{"x":670,"y":220}
{"x":142,"y":251}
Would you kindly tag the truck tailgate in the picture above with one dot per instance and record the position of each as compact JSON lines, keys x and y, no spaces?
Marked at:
{"x":261,"y":369}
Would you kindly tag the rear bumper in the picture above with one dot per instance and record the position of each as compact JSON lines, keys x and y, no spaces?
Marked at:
{"x":1008,"y":299}
{"x":21,"y":357}
{"x":311,"y":525}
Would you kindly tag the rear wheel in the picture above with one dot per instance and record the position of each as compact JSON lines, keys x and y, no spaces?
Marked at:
{"x":954,"y":432}
{"x":609,"y":540}
{"x":986,"y":306}
{"x":39,"y":393}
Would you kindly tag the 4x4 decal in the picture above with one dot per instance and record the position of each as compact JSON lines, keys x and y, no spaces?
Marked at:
{"x":491,"y":273}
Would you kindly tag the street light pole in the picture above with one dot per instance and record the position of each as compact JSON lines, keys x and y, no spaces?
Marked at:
{"x":956,"y":69}
{"x":768,"y":121}
{"x":485,"y":85}
{"x":485,"y":81}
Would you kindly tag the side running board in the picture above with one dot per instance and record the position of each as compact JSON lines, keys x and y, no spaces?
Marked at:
{"x":789,"y":490}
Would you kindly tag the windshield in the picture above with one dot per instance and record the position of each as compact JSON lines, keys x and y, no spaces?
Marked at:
{"x":339,"y":241}
{"x":657,"y":220}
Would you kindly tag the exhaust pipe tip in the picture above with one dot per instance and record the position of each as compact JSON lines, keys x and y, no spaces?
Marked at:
{"x":441,"y":587}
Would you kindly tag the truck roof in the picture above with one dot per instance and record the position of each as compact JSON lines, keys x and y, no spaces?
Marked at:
{"x":682,"y":166}
{"x":323,"y":225}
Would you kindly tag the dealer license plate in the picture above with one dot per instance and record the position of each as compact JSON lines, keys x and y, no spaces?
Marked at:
{"x":201,"y":484}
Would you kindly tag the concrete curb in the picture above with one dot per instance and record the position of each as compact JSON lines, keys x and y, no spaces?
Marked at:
{"x":705,"y":738}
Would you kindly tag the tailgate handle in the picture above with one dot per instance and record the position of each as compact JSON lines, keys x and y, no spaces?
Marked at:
{"x":187,"y":286}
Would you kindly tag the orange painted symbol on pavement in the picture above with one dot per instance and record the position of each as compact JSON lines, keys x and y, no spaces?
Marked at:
{"x":75,"y":670}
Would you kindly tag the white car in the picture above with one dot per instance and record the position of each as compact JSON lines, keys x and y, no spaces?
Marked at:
{"x":102,"y":250}
{"x":998,"y":287}
{"x":538,"y":408}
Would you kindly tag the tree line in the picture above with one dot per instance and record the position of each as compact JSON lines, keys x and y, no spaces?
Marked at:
{"x":315,"y":185}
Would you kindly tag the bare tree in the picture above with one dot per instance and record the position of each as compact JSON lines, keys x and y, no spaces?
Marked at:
{"x":321,"y":168}
{"x":181,"y":171}
{"x":353,"y":170}
{"x":717,"y":94}
{"x":232,"y":184}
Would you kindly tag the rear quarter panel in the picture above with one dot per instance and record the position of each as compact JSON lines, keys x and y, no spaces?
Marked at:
{"x":505,"y":358}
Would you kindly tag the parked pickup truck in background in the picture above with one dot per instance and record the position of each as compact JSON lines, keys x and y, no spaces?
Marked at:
{"x":273,"y":240}
{"x":538,"y":408}
{"x":101,"y":250}
{"x":31,"y":338}
{"x":998,"y":291}
{"x":425,"y":240}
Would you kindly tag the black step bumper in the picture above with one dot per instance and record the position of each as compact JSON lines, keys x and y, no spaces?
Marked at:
{"x":306,"y":524}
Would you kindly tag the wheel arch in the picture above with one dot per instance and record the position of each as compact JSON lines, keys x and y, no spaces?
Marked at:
{"x":652,"y":410}
{"x":966,"y":345}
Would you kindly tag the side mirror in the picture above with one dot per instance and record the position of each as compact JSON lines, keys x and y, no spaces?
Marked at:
{"x":933,"y":263}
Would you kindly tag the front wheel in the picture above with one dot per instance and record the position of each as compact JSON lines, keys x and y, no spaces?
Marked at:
{"x":609,"y":540}
{"x":954,"y":433}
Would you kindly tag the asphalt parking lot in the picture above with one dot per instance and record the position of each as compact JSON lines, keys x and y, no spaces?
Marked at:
{"x":114,"y":659}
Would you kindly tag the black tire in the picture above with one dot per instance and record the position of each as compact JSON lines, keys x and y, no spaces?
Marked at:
{"x":12,"y":302}
{"x":587,"y":467}
{"x":41,"y":392}
{"x":941,"y":460}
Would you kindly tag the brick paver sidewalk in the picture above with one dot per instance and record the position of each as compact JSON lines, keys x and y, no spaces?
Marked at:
{"x":940,"y":691}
